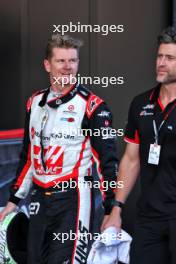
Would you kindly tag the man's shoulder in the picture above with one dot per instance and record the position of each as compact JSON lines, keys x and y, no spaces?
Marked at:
{"x":143,"y":97}
{"x":84,"y":92}
{"x":93,"y":101}
{"x":32,"y":97}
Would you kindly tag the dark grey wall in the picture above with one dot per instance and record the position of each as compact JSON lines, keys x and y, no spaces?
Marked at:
{"x":10,"y":54}
{"x":26,"y":25}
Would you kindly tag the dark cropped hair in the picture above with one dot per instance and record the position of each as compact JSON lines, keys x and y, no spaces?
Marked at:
{"x":167,"y":36}
{"x":59,"y":41}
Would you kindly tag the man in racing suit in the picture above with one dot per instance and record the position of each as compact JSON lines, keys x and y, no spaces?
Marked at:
{"x":67,"y":128}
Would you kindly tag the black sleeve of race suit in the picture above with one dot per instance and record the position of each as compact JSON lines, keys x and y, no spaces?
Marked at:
{"x":23,"y":166}
{"x":104,"y":147}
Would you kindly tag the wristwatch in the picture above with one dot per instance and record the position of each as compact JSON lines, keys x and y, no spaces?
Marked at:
{"x":117,"y":203}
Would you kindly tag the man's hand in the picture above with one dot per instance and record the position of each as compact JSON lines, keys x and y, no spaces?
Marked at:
{"x":114,"y":219}
{"x":10,"y":207}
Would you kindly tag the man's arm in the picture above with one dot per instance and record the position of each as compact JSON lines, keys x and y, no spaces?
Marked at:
{"x":103,"y":143}
{"x":21,"y":185}
{"x":128,"y":173}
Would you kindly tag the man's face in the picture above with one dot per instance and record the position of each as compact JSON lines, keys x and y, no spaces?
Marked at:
{"x":166,"y":64}
{"x":63,"y":64}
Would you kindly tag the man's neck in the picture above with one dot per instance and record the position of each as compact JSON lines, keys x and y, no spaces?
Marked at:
{"x":60,"y":89}
{"x":167,"y":93}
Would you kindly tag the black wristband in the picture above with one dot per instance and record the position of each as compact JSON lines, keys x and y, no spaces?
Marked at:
{"x":117,"y":203}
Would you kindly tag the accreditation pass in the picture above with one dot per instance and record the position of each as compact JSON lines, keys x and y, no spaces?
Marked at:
{"x":154,"y":154}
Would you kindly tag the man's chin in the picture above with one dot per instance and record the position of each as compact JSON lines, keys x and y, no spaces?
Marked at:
{"x":162,"y":79}
{"x":166,"y":81}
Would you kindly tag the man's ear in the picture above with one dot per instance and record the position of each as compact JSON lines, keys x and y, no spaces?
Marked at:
{"x":47,"y":65}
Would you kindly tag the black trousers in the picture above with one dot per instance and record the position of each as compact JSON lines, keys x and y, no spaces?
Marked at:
{"x":55,"y":220}
{"x":154,"y":242}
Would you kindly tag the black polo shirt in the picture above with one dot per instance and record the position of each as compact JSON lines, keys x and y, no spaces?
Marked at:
{"x":158,"y":182}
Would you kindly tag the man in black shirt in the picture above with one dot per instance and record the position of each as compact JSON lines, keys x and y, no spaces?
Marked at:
{"x":151,"y":152}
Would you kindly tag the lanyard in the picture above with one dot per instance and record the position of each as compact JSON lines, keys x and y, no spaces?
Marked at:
{"x":156,"y":131}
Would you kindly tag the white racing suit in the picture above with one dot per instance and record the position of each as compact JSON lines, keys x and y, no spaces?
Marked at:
{"x":63,"y":137}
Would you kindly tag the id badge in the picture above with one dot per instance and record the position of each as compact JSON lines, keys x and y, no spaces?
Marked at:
{"x":154,"y":154}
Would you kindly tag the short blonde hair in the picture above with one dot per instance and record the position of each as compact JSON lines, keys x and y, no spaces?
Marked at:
{"x":59,"y":41}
